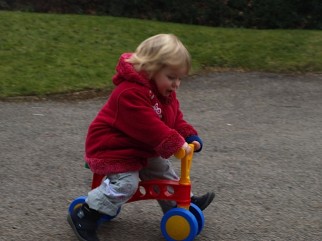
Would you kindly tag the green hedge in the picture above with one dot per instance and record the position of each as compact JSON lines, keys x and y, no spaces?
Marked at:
{"x":261,"y":14}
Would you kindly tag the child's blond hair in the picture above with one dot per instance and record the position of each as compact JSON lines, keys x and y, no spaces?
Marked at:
{"x":159,"y":51}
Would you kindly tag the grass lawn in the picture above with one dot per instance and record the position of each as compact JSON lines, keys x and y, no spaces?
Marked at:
{"x":47,"y":53}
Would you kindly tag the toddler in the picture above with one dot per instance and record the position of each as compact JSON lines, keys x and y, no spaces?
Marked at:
{"x":137,"y":130}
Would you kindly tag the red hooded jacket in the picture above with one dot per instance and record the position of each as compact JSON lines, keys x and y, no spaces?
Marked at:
{"x":136,"y":123}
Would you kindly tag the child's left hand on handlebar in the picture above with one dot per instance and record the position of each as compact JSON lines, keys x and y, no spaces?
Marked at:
{"x":187,"y":148}
{"x":197,"y":145}
{"x":196,"y":141}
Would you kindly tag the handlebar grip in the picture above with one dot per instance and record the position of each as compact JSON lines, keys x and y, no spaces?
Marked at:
{"x":180,"y":154}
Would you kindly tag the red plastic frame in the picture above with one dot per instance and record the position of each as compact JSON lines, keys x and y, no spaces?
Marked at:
{"x":156,"y":189}
{"x":178,"y":191}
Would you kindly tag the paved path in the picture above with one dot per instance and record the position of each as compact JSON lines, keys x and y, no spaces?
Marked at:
{"x":262,"y":157}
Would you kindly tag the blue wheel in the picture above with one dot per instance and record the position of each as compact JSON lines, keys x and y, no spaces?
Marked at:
{"x":77,"y":203}
{"x":196,"y":211}
{"x":106,"y":218}
{"x":179,"y":224}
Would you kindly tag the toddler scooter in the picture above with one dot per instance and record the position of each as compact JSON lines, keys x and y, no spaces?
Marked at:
{"x":182,"y":223}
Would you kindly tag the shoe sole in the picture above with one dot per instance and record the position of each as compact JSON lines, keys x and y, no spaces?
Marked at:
{"x":71,"y":223}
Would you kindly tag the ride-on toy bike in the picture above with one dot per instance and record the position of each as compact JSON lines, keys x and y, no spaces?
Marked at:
{"x":185,"y":221}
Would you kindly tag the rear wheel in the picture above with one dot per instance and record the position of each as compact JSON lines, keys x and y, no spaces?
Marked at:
{"x":77,"y":203}
{"x":106,"y":218}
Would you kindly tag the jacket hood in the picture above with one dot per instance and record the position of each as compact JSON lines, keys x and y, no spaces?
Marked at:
{"x":126,"y":72}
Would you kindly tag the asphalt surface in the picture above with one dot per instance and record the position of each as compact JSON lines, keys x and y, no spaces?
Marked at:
{"x":262,"y":156}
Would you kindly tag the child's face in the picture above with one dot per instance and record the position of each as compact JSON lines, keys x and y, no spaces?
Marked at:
{"x":168,"y":80}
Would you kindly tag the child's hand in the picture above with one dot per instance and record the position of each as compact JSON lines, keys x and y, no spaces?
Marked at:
{"x":186,"y":148}
{"x":197,"y":145}
{"x":196,"y":141}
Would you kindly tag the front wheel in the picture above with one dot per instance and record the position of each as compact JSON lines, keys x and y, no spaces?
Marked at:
{"x":179,"y":224}
{"x":196,"y":211}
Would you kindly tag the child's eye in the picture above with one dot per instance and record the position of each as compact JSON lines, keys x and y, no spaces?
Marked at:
{"x":172,"y":77}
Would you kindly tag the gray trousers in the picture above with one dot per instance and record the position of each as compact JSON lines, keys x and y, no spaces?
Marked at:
{"x":117,"y":189}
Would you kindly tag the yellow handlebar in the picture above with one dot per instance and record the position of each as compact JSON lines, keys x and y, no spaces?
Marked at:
{"x":185,"y":164}
{"x":180,"y":154}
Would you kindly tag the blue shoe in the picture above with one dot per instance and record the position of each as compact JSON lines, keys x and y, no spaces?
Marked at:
{"x":84,"y":223}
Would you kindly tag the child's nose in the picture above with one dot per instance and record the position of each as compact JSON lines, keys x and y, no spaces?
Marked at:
{"x":176,"y":83}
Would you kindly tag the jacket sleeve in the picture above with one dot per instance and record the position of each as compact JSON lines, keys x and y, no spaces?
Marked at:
{"x":135,"y":117}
